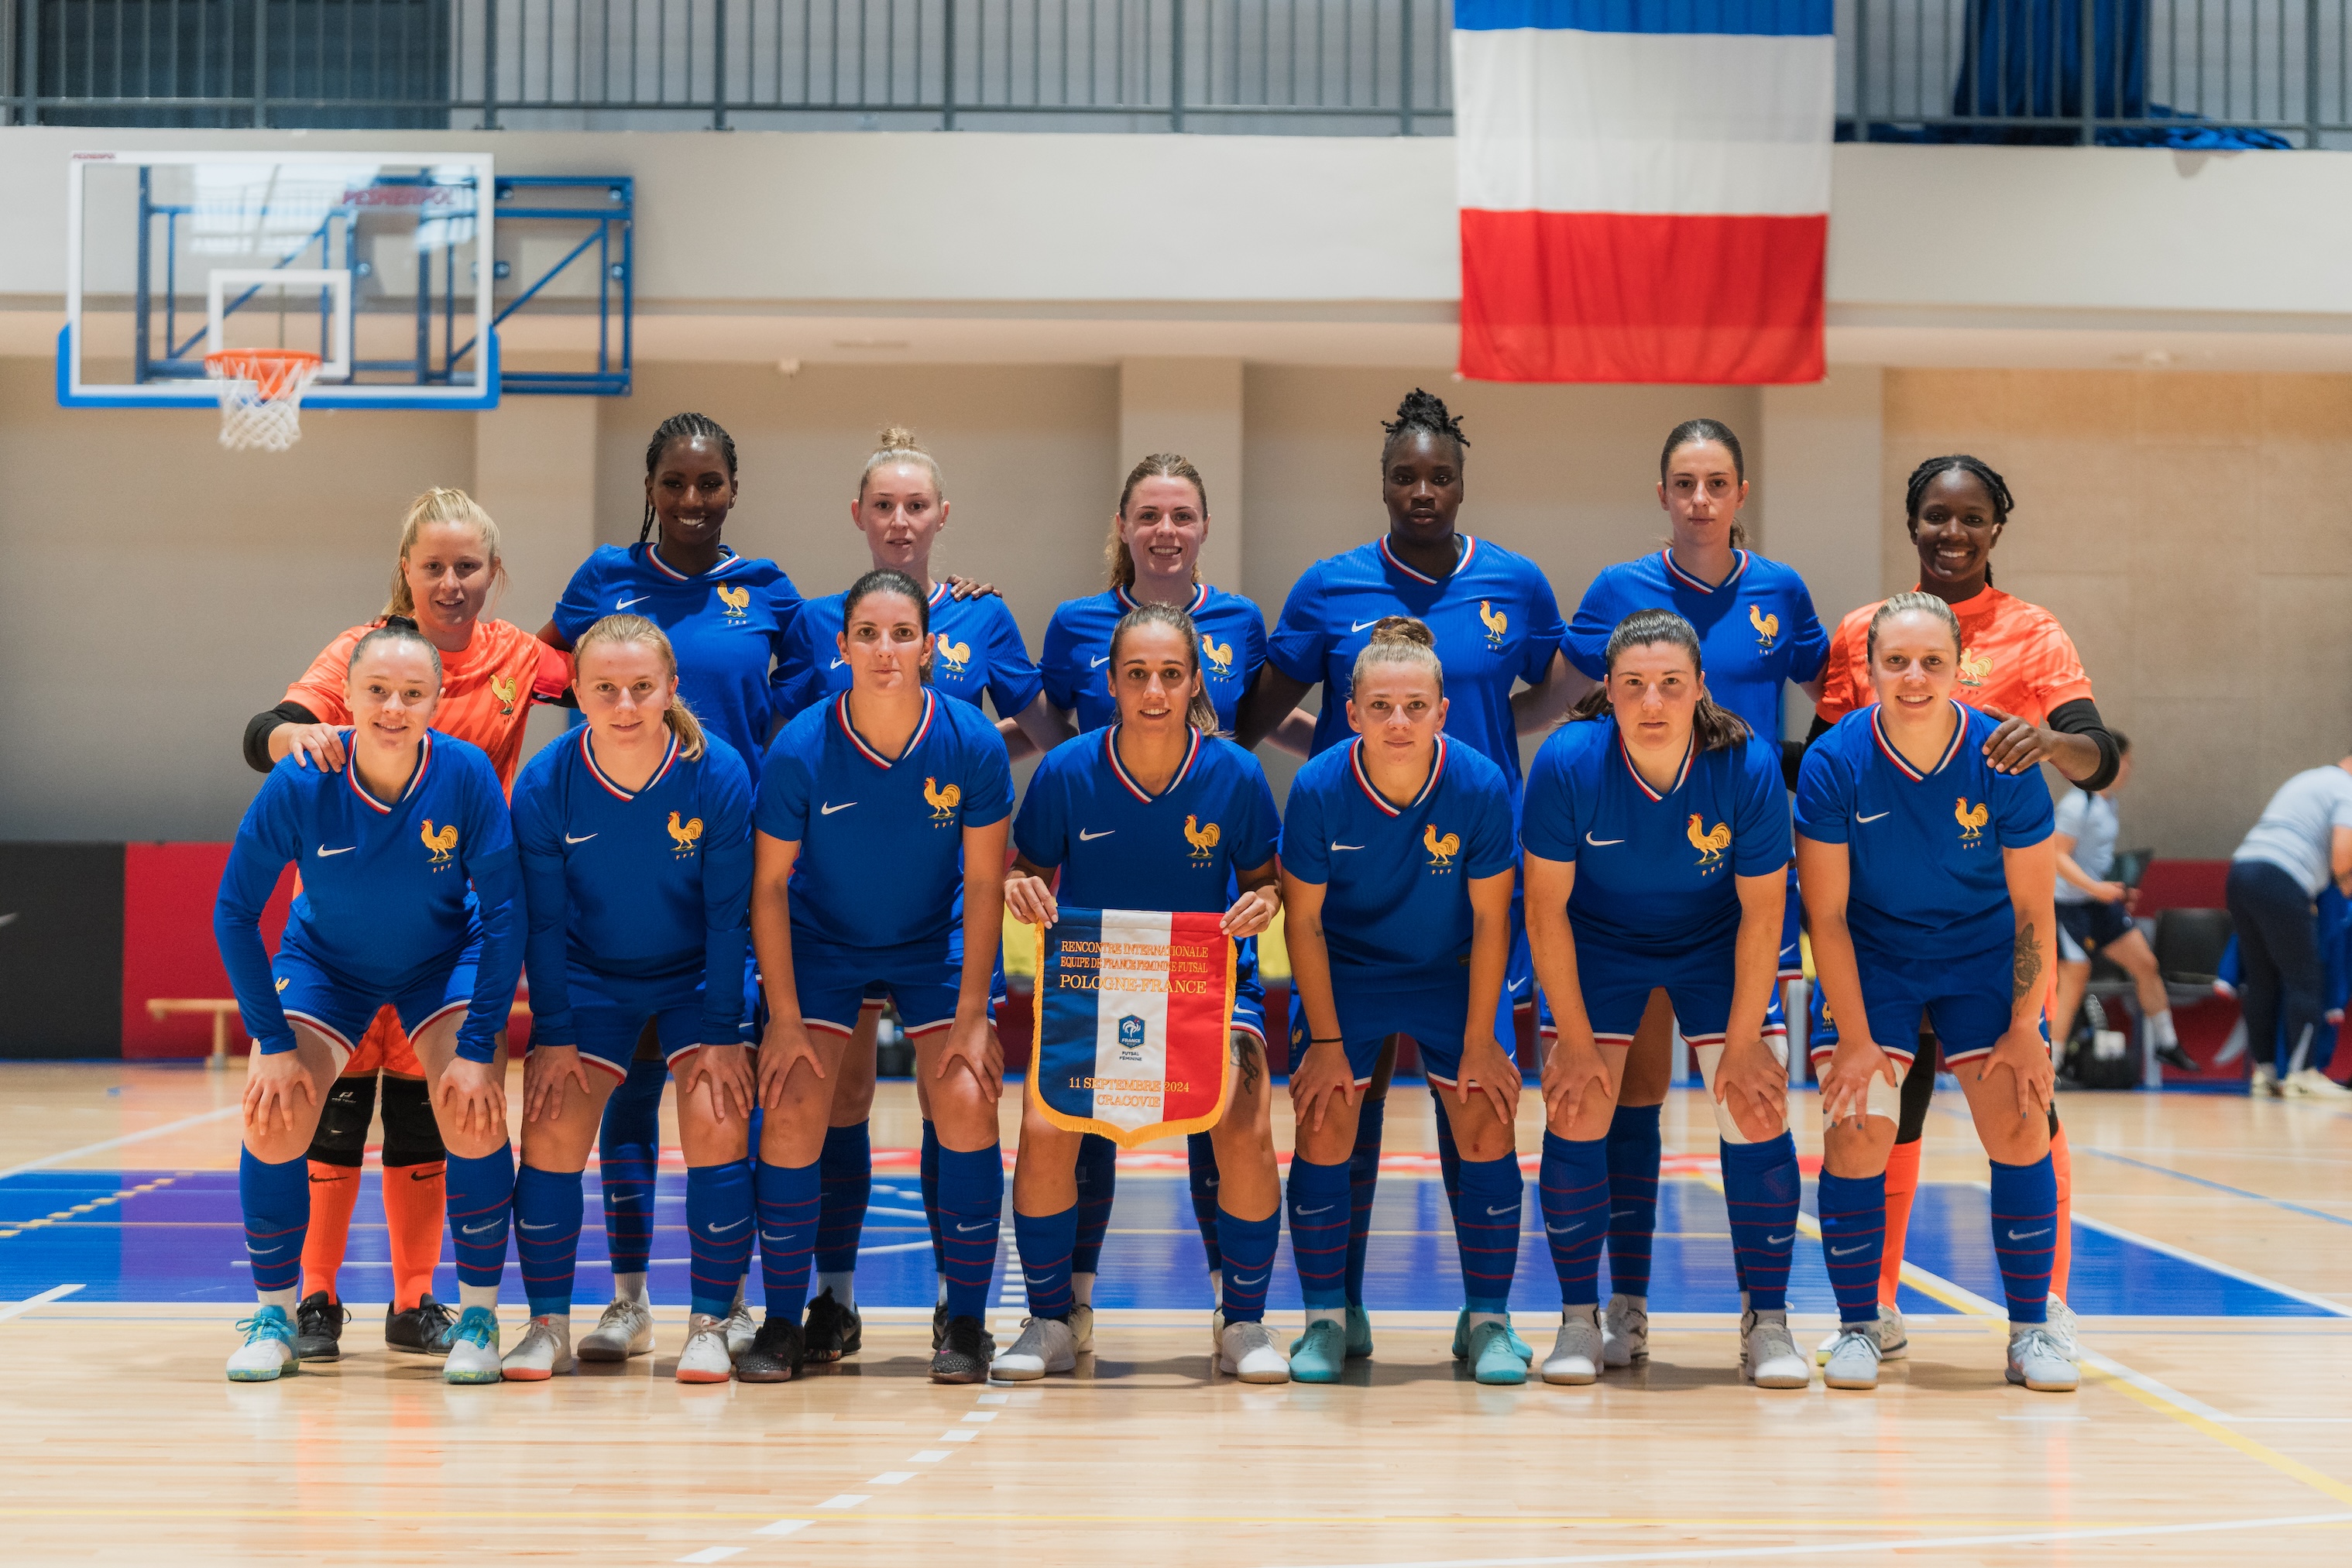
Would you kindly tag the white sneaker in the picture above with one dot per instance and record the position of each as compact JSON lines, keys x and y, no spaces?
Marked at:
{"x":1046,"y":1344}
{"x":544,"y":1351}
{"x":2310,"y":1083}
{"x":2261,"y":1082}
{"x":2060,"y":1324}
{"x":1852,"y":1360}
{"x":626,"y":1329}
{"x":1082,"y":1329}
{"x":1767,"y":1356}
{"x":1894,"y":1341}
{"x":1247,"y":1350}
{"x":2039,"y":1362}
{"x":742,"y":1327}
{"x":474,"y":1348}
{"x":1576,"y":1355}
{"x":705,"y":1358}
{"x":268,"y":1353}
{"x":1625,"y":1330}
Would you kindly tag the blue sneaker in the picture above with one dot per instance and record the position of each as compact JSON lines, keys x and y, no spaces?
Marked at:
{"x":1464,"y":1340}
{"x":1359,"y":1332}
{"x":1493,"y":1359}
{"x":474,"y":1348}
{"x":268,"y":1353}
{"x":1320,"y":1353}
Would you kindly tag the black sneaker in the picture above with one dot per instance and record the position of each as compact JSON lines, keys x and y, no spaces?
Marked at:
{"x":833,"y":1330}
{"x":2179,"y":1060}
{"x":776,"y":1352}
{"x":963,"y":1356}
{"x":424,"y":1329}
{"x":319,"y":1321}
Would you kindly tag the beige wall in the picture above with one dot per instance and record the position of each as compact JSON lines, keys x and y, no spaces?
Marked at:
{"x":2191,"y":532}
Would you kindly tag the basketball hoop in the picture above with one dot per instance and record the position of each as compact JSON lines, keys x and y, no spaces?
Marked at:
{"x":261,"y":396}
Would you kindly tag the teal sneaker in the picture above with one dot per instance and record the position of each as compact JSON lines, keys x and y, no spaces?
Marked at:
{"x":1359,"y":1332}
{"x":1464,"y":1340}
{"x":1493,"y":1358}
{"x":474,"y":1348}
{"x":268,"y":1353}
{"x":1320,"y":1353}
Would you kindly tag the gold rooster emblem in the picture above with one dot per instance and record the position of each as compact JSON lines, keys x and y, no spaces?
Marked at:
{"x":440,"y":844}
{"x":1441,"y":850}
{"x":283,"y":984}
{"x":955,"y":653}
{"x":1766,"y":627}
{"x":1709,"y":845}
{"x":737,"y":600}
{"x":1497,"y":623}
{"x":1221,"y":658}
{"x":943,"y":801}
{"x":1202,"y":840}
{"x":683,"y":834}
{"x":1971,"y":820}
{"x":503,"y":688}
{"x":1974,"y":668}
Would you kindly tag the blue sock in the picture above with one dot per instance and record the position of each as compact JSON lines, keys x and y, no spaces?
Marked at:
{"x":1046,"y":1243}
{"x":1486,"y":1230}
{"x":628,"y":1152}
{"x":1853,"y":1242}
{"x":847,"y":1167}
{"x":547,"y":1207}
{"x":481,"y":1202}
{"x":1319,"y":1209}
{"x":1449,"y":1158}
{"x":719,"y":1233}
{"x":1761,"y":1190}
{"x":277,"y":1202}
{"x":1634,"y":1150}
{"x":1201,"y":1162}
{"x":930,"y":1183}
{"x":1574,"y":1186}
{"x":1098,"y":1179}
{"x":1248,"y":1248}
{"x":971,"y":1203}
{"x":786,"y":1198}
{"x":1364,"y":1179}
{"x":2026,"y":1235}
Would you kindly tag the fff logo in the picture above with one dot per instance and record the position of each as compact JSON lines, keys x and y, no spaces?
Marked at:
{"x":1130,"y":1033}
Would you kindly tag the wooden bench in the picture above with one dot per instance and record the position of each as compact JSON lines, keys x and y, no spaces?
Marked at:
{"x":162,"y":1008}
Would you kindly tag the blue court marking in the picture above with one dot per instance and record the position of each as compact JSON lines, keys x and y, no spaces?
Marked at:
{"x":181,"y":1240}
{"x":2221,"y":1187}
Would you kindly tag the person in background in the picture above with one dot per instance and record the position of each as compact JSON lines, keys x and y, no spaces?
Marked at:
{"x":2095,"y":916}
{"x":2302,"y":842}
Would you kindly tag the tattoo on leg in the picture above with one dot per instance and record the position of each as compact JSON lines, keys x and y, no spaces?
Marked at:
{"x":1247,"y":1057}
{"x":2027,"y":959}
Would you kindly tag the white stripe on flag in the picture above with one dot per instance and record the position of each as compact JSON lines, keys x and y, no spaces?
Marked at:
{"x":1144,"y":1009}
{"x":1561,"y":121}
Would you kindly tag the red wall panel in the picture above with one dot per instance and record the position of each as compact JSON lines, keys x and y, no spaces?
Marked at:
{"x":168,"y":951}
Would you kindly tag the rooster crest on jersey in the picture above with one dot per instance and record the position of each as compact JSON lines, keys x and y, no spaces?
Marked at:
{"x":738,"y":600}
{"x":1202,"y":840}
{"x":1442,"y":851}
{"x":442,"y":843}
{"x":1709,"y":845}
{"x":503,"y":687}
{"x":682,"y":835}
{"x":1974,"y":668}
{"x":1497,"y":623}
{"x":943,"y":801}
{"x":955,"y":655}
{"x":1768,"y":627}
{"x":1219,"y":658}
{"x":1971,"y":820}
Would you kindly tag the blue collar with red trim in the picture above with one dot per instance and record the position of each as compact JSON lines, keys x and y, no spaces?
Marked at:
{"x":1118,"y":768}
{"x":351,"y":771}
{"x":588,"y":756}
{"x":1902,"y":764}
{"x":1464,"y":547}
{"x":1364,"y":779}
{"x":841,"y":716}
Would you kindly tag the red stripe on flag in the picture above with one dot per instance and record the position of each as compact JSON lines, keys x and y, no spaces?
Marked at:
{"x":1632,"y":297}
{"x":1196,"y":1016}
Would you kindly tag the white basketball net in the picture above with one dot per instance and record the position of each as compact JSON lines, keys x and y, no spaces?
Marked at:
{"x":261,"y":396}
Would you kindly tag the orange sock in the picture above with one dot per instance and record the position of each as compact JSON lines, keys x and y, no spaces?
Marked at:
{"x":2061,"y":1260}
{"x":334,"y":1191}
{"x":415,"y":1200}
{"x":1902,"y":1184}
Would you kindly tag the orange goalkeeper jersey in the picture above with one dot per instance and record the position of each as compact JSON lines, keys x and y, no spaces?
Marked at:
{"x":2014,"y":657}
{"x":487,"y":688}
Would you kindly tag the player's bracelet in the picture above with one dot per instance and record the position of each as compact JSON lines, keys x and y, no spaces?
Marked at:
{"x":1325,"y":1039}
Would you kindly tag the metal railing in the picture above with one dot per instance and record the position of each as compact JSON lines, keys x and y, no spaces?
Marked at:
{"x":2175,"y":71}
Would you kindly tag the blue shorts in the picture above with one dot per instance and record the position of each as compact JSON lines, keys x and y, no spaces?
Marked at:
{"x":609,"y":1013}
{"x":1433,"y":1015}
{"x":1965,"y":1001}
{"x":2090,"y":925}
{"x":341,"y":1008}
{"x":1617,"y":984}
{"x":832,"y":984}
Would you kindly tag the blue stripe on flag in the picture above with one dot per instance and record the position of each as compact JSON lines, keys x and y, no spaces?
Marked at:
{"x":1780,"y":18}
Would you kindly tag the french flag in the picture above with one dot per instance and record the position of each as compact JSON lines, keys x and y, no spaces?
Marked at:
{"x":1644,"y":188}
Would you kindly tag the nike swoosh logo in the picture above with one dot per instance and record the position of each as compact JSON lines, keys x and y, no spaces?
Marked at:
{"x":1600,"y":844}
{"x":723,"y":1229}
{"x":767,"y":1240}
{"x":1779,"y":1240}
{"x":963,"y":1229}
{"x":1493,"y":1212}
{"x":1848,"y":1251}
{"x":1874,"y":819}
{"x":324,"y":852}
{"x":837,"y":663}
{"x":425,"y":1175}
{"x":828,"y":810}
{"x":478,"y":1229}
{"x":2030,"y":1235}
{"x":1335,"y":844}
{"x":581,"y":839}
{"x":624,"y":603}
{"x":527,"y":1225}
{"x":1515,"y":985}
{"x":1361,"y":624}
{"x":331,"y":1180}
{"x":1621,"y":1214}
{"x":1086,"y":837}
{"x":1247,"y":1283}
{"x":1325,"y":1209}
{"x":1098,"y":664}
{"x":1566,"y":1230}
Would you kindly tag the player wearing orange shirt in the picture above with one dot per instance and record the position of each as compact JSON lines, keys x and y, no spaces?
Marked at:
{"x":2018,"y":664}
{"x":491,"y":672}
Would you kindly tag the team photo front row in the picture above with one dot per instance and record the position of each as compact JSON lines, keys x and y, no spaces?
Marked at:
{"x":692,"y":902}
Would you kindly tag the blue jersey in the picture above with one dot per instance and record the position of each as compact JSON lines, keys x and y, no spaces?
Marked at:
{"x":1396,"y":909}
{"x":1119,"y":848}
{"x":1755,"y":628}
{"x":1495,"y":620}
{"x":1922,"y":848}
{"x":391,"y":891}
{"x":975,"y":647}
{"x":881,"y":839}
{"x":644,"y":883}
{"x":1655,"y":869}
{"x":728,"y":625}
{"x":1078,"y":649}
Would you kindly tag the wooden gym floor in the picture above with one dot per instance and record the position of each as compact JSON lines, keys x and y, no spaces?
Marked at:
{"x":2222,"y":1432}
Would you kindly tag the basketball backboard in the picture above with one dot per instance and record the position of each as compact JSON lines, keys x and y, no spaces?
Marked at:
{"x":372,"y":262}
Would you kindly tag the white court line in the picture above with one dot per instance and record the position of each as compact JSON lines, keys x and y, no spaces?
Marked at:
{"x":784,"y":1526}
{"x":846,"y":1500}
{"x":99,"y":1148}
{"x":19,"y":1309}
{"x":2333,"y":1309}
{"x":891,"y":1479}
{"x":714,"y":1555}
{"x":1849,"y":1548}
{"x":2147,"y":1385}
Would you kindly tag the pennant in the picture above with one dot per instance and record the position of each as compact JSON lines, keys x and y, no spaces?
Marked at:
{"x":1134,"y":1009}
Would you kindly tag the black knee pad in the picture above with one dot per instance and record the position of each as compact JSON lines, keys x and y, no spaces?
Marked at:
{"x":342,"y":1137}
{"x":410,"y":1137}
{"x":1919,"y":1088}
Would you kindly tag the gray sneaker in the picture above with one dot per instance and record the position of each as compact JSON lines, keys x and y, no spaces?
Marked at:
{"x":1853,"y":1358}
{"x":1045,"y":1345}
{"x":1767,"y":1356}
{"x":1893,"y":1340}
{"x":1625,"y":1330}
{"x":742,"y":1327}
{"x":2037,"y":1360}
{"x":626,"y":1329}
{"x":1576,"y":1353}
